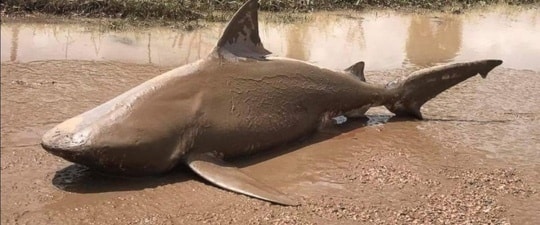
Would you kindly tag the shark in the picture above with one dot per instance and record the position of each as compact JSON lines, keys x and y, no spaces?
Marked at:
{"x":236,"y":101}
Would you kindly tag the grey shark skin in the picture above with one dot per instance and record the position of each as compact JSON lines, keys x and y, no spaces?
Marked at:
{"x":234,"y":102}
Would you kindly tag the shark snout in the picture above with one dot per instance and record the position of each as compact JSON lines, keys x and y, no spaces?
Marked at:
{"x":97,"y":147}
{"x":65,"y":143}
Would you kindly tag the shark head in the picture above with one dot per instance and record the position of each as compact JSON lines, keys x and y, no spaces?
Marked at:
{"x":113,"y":145}
{"x":140,"y":132}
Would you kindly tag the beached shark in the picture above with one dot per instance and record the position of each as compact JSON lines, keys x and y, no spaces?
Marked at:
{"x":236,"y":101}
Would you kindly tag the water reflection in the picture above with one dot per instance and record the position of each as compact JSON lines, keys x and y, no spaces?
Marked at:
{"x":295,"y":36}
{"x":433,"y":40}
{"x":15,"y":43}
{"x":385,"y":40}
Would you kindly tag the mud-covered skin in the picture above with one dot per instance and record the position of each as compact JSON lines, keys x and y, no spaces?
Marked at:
{"x":231,"y":107}
{"x":215,"y":105}
{"x":273,"y":101}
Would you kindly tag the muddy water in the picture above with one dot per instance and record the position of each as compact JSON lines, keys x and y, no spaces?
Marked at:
{"x":475,"y":159}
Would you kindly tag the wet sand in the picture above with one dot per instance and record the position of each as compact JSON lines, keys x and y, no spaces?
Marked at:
{"x":475,"y":159}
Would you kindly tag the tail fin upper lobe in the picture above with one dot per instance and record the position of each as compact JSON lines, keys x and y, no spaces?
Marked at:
{"x":417,"y":88}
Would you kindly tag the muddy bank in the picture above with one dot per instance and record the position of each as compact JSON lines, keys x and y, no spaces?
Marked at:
{"x":171,"y":11}
{"x":474,"y":160}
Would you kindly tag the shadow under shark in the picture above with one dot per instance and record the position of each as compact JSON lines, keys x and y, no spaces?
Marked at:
{"x":235,"y":102}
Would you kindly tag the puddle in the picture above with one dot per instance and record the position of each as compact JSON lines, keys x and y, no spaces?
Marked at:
{"x":385,"y":40}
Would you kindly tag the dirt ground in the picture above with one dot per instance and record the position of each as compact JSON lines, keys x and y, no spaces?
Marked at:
{"x":474,"y":160}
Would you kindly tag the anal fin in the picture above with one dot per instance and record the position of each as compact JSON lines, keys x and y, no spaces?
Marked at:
{"x":228,"y":177}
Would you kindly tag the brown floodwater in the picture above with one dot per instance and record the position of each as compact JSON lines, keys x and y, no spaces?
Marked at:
{"x":475,"y":159}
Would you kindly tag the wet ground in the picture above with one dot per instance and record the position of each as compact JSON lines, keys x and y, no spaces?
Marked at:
{"x":474,"y":160}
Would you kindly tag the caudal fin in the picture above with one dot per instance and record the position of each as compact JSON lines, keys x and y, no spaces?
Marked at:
{"x":417,"y":88}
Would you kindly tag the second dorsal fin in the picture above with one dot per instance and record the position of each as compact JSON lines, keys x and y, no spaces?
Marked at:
{"x":357,"y":70}
{"x":241,"y":36}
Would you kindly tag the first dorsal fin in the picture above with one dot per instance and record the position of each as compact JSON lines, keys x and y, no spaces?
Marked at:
{"x":241,"y":36}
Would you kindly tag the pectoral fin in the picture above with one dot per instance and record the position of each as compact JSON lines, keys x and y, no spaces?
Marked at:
{"x":231,"y":178}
